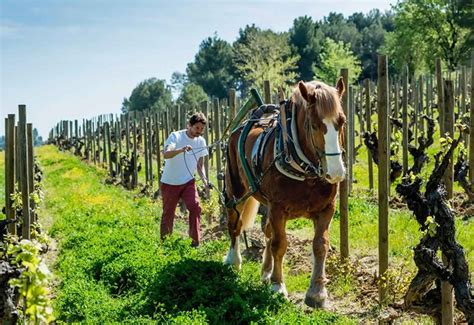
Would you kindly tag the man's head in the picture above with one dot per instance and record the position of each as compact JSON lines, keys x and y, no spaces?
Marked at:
{"x":197,"y":123}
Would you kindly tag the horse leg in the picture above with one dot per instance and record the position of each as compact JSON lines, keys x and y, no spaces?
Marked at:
{"x":278,"y":246}
{"x":240,"y":219}
{"x":316,"y":296}
{"x":267,"y":263}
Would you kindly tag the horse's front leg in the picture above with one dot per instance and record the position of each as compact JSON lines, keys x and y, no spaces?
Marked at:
{"x":234,"y":225}
{"x":317,"y":295}
{"x":278,"y":246}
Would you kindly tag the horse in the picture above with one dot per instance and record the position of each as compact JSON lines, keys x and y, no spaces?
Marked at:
{"x":316,"y":137}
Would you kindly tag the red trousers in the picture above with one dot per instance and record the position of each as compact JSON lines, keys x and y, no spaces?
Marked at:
{"x":171,"y":195}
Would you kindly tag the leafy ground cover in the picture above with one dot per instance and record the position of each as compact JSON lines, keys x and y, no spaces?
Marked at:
{"x":111,"y":266}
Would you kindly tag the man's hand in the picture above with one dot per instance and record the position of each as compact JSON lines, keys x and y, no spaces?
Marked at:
{"x":186,"y":148}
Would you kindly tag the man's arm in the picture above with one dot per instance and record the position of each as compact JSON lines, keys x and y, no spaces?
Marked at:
{"x":170,"y":152}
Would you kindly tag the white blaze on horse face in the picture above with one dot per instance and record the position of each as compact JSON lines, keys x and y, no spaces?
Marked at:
{"x":335,"y":165}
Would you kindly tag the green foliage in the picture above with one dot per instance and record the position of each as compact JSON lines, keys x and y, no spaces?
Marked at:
{"x":306,"y":38}
{"x":191,"y":96}
{"x":114,"y":268}
{"x":426,"y":29}
{"x":150,"y":94}
{"x":264,"y":55}
{"x":34,"y":280}
{"x":212,"y":67}
{"x":336,"y":56}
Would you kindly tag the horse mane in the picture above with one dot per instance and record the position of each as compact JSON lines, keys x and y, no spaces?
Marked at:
{"x":327,"y":104}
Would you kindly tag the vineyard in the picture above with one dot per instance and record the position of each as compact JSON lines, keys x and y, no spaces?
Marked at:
{"x":95,"y":191}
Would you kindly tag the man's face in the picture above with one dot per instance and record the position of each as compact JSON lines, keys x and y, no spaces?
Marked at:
{"x":196,"y":129}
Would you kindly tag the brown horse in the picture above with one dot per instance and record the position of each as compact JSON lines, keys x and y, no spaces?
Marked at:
{"x":316,"y":126}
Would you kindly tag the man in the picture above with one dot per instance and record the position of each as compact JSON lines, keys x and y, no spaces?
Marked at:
{"x":184,"y":152}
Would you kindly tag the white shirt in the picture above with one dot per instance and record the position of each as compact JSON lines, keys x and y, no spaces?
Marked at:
{"x":181,"y":168}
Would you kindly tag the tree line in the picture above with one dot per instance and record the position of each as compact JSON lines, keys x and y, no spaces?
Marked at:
{"x":413,"y":33}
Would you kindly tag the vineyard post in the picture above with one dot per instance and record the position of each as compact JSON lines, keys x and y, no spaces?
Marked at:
{"x":421,"y":121}
{"x":266,"y":91}
{"x":150,"y":146}
{"x":361,"y":114}
{"x":416,"y":107}
{"x":29,"y":136}
{"x":23,"y":158}
{"x":405,"y":120}
{"x":205,"y":110}
{"x":368,"y":113}
{"x":218,"y":147}
{"x":104,"y":144}
{"x":135,"y":158}
{"x":17,"y":156}
{"x":127,"y":133}
{"x":158,"y":149}
{"x":446,"y":287}
{"x":397,"y":99}
{"x":10,"y":170}
{"x":440,"y":93}
{"x":145,"y":149}
{"x":471,"y":122}
{"x":178,"y":116}
{"x":383,"y":165}
{"x":351,"y":138}
{"x":109,"y":147}
{"x":118,"y":140}
{"x":232,"y":103}
{"x":94,"y":149}
{"x":344,"y":185}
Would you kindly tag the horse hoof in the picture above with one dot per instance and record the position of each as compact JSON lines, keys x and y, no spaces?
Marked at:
{"x":280,"y":288}
{"x":313,"y":302}
{"x":230,"y":261}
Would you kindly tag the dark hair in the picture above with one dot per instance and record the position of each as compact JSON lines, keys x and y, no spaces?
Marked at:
{"x":197,"y":117}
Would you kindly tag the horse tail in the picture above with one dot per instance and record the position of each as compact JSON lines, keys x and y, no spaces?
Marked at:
{"x":249,"y":212}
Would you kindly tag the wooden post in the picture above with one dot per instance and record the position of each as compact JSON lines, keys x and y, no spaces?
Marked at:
{"x":145,"y":149}
{"x":29,"y":138}
{"x":440,"y":92}
{"x":205,"y":110}
{"x":25,"y":195}
{"x":368,"y":117}
{"x":344,"y":185}
{"x":127,"y":133}
{"x":135,"y":157}
{"x":217,"y":128}
{"x":471,"y":122}
{"x":10,"y":170}
{"x":232,"y":103}
{"x":350,"y":130}
{"x":421,"y":121}
{"x":397,"y":98}
{"x":405,"y":121}
{"x":266,"y":91}
{"x":150,"y":146}
{"x":384,"y":163}
{"x":158,"y":148}
{"x":447,"y":310}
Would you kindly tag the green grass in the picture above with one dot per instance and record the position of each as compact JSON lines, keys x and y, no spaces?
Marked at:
{"x":112,"y":266}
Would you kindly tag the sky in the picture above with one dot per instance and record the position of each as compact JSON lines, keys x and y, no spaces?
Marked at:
{"x":75,"y":59}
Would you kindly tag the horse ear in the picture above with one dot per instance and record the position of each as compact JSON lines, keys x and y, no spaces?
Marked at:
{"x":341,"y":88}
{"x":303,"y":90}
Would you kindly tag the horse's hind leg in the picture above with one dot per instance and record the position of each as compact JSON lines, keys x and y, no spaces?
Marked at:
{"x":267,"y":262}
{"x":316,"y":296}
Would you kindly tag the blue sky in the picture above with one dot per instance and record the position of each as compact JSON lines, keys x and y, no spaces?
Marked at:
{"x":77,"y":59}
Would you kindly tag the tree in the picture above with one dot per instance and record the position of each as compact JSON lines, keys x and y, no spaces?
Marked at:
{"x":440,"y":27}
{"x":337,"y":55}
{"x":264,"y":55}
{"x":305,"y":39}
{"x":178,"y":80}
{"x":192,"y":95}
{"x":212,"y":67}
{"x":149,"y":94}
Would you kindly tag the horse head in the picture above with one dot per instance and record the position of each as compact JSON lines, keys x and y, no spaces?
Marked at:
{"x":324,"y":124}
